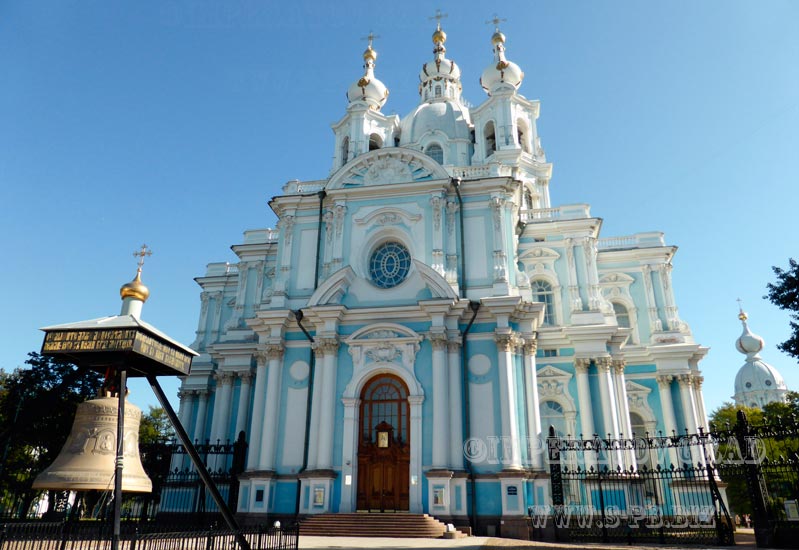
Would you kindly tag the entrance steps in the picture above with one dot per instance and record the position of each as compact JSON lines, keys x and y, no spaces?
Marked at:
{"x":398,"y":524}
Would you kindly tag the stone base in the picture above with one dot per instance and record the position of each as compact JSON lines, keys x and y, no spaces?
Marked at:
{"x":255,"y":492}
{"x":316,"y":491}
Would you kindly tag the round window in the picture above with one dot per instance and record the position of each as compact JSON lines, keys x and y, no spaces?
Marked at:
{"x":768,"y":382}
{"x":748,"y":384}
{"x":389,"y":264}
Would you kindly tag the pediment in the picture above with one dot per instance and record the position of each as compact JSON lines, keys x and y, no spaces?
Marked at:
{"x":632,"y":387}
{"x":549,"y":371}
{"x":387,"y":166}
{"x":616,"y":279}
{"x":539,"y":253}
{"x":388,"y":215}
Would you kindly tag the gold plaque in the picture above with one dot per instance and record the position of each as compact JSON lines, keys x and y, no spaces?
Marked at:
{"x":382,"y":440}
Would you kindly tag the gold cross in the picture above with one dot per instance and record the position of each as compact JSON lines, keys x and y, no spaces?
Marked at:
{"x":496,"y":21}
{"x":370,"y":37}
{"x":438,"y":17}
{"x":141,"y":253}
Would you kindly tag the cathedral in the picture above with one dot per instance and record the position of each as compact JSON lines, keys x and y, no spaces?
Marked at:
{"x":419,"y":318}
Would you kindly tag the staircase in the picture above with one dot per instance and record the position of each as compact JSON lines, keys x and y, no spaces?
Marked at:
{"x":402,"y":525}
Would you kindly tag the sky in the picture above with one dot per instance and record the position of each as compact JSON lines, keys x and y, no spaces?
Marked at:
{"x":173,"y":122}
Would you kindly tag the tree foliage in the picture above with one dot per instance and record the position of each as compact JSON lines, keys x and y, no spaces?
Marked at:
{"x":37,"y":407}
{"x":155,"y":427}
{"x":785,"y":295}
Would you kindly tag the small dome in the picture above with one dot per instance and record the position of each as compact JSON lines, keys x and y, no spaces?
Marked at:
{"x":748,"y":343}
{"x":447,"y":117}
{"x":758,"y":376}
{"x":368,"y":88}
{"x":440,"y":79}
{"x":135,"y":289}
{"x":501,"y":73}
{"x":757,"y":383}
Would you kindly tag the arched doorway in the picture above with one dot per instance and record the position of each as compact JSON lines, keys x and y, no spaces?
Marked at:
{"x":384,"y":445}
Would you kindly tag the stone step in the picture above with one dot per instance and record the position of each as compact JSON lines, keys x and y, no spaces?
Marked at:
{"x":392,"y":524}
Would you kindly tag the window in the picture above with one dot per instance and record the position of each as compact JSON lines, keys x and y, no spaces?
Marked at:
{"x":375,"y":142}
{"x":547,"y":353}
{"x":389,"y":264}
{"x":438,"y":91}
{"x":435,"y":152}
{"x":542,"y":292}
{"x":527,"y":200}
{"x":345,"y":150}
{"x":490,"y":138}
{"x":622,"y":315}
{"x":552,"y":415}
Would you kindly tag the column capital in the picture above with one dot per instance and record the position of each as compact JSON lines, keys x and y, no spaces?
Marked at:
{"x":685,"y":379}
{"x":664,"y":380}
{"x":224,"y":377}
{"x":202,"y":394}
{"x":619,"y":365}
{"x":246,"y":376}
{"x":453,"y":346}
{"x":505,"y":341}
{"x":530,"y":346}
{"x":581,"y":364}
{"x":184,"y":394}
{"x":261,"y":357}
{"x":697,"y":380}
{"x":327,"y":345}
{"x":274,"y":351}
{"x":603,"y":363}
{"x":438,"y":340}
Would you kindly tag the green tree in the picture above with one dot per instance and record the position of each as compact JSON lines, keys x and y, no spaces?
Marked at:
{"x":37,"y":407}
{"x":785,"y":295}
{"x":155,"y":427}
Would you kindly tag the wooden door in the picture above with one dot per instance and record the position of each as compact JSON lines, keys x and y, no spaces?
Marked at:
{"x":383,"y":449}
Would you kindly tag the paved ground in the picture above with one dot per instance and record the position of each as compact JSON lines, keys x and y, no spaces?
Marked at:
{"x":744,"y":539}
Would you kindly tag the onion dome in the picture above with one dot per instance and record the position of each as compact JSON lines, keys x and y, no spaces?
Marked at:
{"x":368,"y":89}
{"x":757,"y":383}
{"x":748,"y":343}
{"x":440,"y":78}
{"x":135,"y":289}
{"x":501,"y":73}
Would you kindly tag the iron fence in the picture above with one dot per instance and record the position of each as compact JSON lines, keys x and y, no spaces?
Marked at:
{"x":93,"y":535}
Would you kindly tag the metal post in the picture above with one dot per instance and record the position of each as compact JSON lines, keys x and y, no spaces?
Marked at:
{"x":556,"y":481}
{"x":123,"y":382}
{"x":198,"y":464}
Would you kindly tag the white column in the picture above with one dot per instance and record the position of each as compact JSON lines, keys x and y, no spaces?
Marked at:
{"x":440,"y":402}
{"x":685,"y":382}
{"x":199,"y":422}
{"x":511,"y":451}
{"x":221,"y":416}
{"x":184,"y":415}
{"x":537,"y":439}
{"x":666,"y":404}
{"x":415,"y":496}
{"x":257,"y":423}
{"x":316,"y":406}
{"x":455,"y":406}
{"x":584,"y":401}
{"x":266,"y":459}
{"x":349,"y":458}
{"x":610,"y":414}
{"x":327,"y":422}
{"x":625,"y":424}
{"x":244,"y":404}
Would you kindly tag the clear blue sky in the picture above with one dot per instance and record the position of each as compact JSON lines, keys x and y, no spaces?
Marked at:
{"x":172,"y":122}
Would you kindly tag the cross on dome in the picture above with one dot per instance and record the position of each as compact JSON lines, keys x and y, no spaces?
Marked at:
{"x":141,"y":253}
{"x":438,"y":17}
{"x":496,"y":20}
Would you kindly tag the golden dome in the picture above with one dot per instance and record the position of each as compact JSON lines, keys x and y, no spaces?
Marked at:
{"x":369,"y":53}
{"x":135,"y":289}
{"x":439,"y":37}
{"x":498,"y":38}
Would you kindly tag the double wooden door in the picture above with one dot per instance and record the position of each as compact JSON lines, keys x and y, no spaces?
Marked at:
{"x":383,"y":448}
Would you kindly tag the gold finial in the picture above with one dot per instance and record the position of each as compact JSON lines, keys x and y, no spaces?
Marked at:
{"x":439,"y":37}
{"x":369,"y":53}
{"x":136,"y":289}
{"x":741,"y":313}
{"x":498,"y":37}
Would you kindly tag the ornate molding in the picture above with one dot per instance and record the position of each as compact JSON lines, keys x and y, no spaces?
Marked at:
{"x":581,"y":365}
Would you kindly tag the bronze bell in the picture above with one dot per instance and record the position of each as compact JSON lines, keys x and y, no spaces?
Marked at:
{"x":88,"y":458}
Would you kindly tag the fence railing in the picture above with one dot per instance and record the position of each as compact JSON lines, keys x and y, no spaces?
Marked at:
{"x":93,"y":535}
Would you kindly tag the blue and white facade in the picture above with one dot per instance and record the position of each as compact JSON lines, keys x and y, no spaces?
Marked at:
{"x":455,"y":311}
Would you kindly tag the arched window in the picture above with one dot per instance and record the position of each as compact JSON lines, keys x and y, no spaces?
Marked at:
{"x":522,"y":134}
{"x":435,"y":152}
{"x":542,"y":292}
{"x":552,"y":415}
{"x":345,"y":150}
{"x":490,"y":138}
{"x":642,"y":452}
{"x":438,"y":91}
{"x":385,"y":399}
{"x":527,"y":200}
{"x":622,"y":315}
{"x":375,"y":142}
